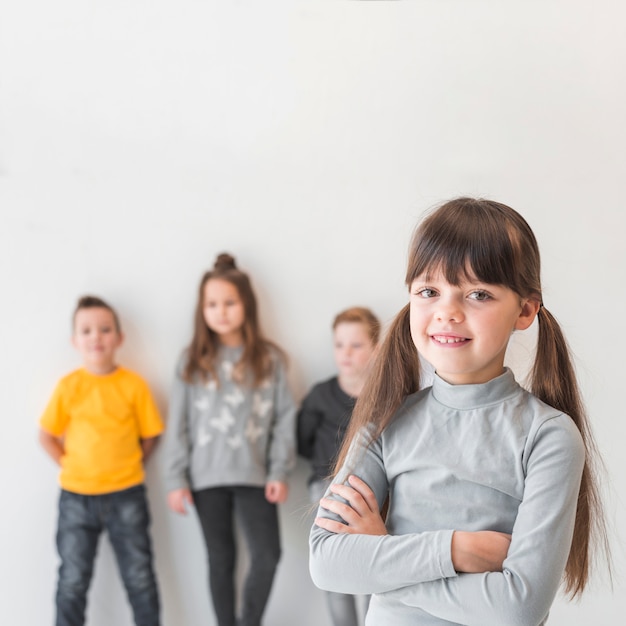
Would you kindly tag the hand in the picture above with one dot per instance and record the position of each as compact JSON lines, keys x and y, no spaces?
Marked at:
{"x":276,"y":491}
{"x":477,"y":552}
{"x":179,"y":499}
{"x":361,"y":515}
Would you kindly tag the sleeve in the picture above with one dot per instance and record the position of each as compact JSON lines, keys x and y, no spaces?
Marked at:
{"x":308,"y":421}
{"x":523,"y":592}
{"x":148,"y":415}
{"x":365,"y":564}
{"x":177,"y":436}
{"x":282,"y":444}
{"x":55,"y":417}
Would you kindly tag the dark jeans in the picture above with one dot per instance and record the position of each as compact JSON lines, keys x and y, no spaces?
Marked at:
{"x":124,"y":515}
{"x":258,"y":519}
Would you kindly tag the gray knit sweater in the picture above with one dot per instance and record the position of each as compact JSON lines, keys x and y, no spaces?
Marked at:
{"x":229,"y":434}
{"x":466,"y":457}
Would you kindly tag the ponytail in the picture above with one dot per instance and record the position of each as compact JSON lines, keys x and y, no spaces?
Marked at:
{"x":395,"y":374}
{"x":553,"y":381}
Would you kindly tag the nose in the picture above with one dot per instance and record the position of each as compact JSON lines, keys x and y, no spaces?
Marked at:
{"x":449,"y":310}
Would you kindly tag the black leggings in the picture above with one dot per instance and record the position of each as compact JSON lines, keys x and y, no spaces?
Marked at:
{"x":217,"y":509}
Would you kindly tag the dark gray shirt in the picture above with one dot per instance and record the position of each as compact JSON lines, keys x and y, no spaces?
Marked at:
{"x":322,"y":421}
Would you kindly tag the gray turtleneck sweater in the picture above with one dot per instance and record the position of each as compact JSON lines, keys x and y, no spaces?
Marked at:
{"x":461,"y":457}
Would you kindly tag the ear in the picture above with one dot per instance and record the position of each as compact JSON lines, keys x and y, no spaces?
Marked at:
{"x":530,"y":308}
{"x":120,"y":339}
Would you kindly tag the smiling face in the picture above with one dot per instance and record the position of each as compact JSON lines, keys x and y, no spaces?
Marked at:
{"x":224,"y":311}
{"x":97,"y":338}
{"x":463,"y":330}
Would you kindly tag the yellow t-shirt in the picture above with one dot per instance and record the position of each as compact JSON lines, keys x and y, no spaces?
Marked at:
{"x":102,"y":419}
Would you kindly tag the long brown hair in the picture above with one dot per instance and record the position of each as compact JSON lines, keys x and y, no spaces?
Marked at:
{"x":204,"y":346}
{"x":491,"y":242}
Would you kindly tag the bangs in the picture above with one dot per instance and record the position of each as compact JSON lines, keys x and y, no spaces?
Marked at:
{"x":467,"y":239}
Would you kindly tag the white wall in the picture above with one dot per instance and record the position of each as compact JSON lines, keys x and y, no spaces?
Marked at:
{"x":140,"y":138}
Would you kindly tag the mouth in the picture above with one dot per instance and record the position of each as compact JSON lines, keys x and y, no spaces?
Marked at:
{"x":449,"y":339}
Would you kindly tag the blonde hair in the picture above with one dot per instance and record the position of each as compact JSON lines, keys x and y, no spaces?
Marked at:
{"x":488,"y":241}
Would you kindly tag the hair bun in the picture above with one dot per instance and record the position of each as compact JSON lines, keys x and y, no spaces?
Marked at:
{"x":224,"y":262}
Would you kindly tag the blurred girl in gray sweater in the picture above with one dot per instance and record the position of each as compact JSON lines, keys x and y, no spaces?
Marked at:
{"x":230,"y":441}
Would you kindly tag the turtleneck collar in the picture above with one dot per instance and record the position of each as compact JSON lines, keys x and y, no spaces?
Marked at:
{"x":474,"y":396}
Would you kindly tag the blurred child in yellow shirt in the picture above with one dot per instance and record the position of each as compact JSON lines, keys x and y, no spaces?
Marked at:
{"x":100,"y":426}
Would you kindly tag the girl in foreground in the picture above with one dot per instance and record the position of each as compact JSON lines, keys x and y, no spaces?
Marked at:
{"x":230,"y":441}
{"x":492,"y":493}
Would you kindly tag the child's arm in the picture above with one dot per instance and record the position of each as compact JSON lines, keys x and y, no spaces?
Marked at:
{"x":472,"y":552}
{"x":523,"y":592}
{"x":308,"y":422}
{"x":148,"y":445}
{"x":480,"y":551}
{"x":149,"y":421}
{"x":354,"y":563}
{"x":52,"y":445}
{"x":281,"y":455}
{"x":177,"y":444}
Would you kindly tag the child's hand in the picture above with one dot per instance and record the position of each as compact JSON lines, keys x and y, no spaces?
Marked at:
{"x":276,"y":491}
{"x":178,"y":500}
{"x":361,"y":515}
{"x":477,"y":552}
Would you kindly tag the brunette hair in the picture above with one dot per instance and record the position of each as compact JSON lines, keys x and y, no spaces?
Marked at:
{"x":360,"y":315}
{"x":93,"y":302}
{"x":488,"y":241}
{"x":202,"y":351}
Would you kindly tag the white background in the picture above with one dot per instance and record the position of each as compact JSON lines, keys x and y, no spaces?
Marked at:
{"x":138,"y":139}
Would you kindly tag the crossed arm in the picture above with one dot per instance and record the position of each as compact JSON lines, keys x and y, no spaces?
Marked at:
{"x":480,"y":577}
{"x":472,"y":552}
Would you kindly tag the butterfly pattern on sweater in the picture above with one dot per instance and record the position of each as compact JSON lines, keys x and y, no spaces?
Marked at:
{"x":224,"y":425}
